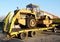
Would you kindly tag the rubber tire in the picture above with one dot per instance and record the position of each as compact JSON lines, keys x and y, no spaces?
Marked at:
{"x":54,"y":30}
{"x":23,"y":36}
{"x":28,"y":22}
{"x":32,"y":34}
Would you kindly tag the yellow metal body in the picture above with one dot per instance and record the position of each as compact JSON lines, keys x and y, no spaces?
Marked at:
{"x":23,"y":13}
{"x":27,"y":30}
{"x":6,"y":21}
{"x":16,"y":16}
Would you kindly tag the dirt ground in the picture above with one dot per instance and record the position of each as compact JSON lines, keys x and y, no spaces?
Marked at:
{"x":42,"y":37}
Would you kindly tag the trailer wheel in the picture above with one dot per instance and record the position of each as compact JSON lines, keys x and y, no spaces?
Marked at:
{"x":30,"y":22}
{"x":54,"y":30}
{"x":23,"y":36}
{"x":32,"y":34}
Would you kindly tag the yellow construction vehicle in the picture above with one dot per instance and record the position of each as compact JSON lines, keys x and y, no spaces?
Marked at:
{"x":29,"y":17}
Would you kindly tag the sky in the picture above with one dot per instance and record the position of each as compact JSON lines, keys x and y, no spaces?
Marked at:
{"x":51,"y":6}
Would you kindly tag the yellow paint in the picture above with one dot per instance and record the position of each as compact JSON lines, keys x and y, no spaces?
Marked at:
{"x":6,"y":21}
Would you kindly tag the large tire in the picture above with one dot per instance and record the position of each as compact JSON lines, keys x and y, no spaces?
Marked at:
{"x":30,"y":22}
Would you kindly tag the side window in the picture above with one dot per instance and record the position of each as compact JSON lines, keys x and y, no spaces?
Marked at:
{"x":29,"y":8}
{"x":35,"y":9}
{"x":38,"y":12}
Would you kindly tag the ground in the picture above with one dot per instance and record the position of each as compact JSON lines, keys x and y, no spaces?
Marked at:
{"x":42,"y":37}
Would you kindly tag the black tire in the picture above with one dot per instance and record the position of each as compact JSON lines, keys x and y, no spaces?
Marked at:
{"x":32,"y":34}
{"x":30,"y":22}
{"x":23,"y":36}
{"x":54,"y":30}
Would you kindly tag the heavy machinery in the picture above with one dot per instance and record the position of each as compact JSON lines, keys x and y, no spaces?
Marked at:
{"x":29,"y":17}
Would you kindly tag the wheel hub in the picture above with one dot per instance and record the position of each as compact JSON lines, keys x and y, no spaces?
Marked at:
{"x":32,"y":22}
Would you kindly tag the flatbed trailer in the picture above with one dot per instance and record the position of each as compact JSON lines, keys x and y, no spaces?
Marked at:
{"x":24,"y":33}
{"x":27,"y":30}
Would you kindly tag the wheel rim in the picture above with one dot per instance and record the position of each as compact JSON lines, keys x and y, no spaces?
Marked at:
{"x":55,"y":30}
{"x":33,"y":34}
{"x":32,"y":22}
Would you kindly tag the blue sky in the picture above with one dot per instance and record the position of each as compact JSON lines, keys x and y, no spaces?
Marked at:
{"x":51,"y":6}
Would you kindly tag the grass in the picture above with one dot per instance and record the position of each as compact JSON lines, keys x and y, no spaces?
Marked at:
{"x":56,"y":20}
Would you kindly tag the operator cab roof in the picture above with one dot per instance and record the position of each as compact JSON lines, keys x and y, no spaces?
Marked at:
{"x":32,"y":5}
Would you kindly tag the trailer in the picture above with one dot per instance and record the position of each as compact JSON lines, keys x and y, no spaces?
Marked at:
{"x":23,"y":32}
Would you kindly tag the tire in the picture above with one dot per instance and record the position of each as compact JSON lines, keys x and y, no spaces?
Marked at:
{"x":30,"y":22}
{"x":32,"y":34}
{"x":54,"y":30}
{"x":23,"y":36}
